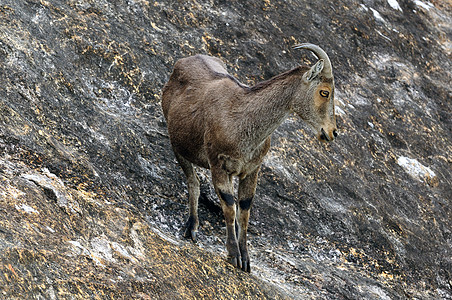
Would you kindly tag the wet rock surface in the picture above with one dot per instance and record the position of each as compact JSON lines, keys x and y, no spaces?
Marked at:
{"x":92,"y":203}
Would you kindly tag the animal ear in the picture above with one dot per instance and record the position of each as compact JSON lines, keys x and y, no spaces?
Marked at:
{"x":315,"y":70}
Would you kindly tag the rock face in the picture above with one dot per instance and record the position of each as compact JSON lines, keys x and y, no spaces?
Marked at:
{"x":92,"y":202}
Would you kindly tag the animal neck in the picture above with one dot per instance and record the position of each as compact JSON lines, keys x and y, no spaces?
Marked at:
{"x":268,"y":105}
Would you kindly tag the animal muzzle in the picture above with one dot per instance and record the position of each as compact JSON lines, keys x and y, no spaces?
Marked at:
{"x":327,"y":137}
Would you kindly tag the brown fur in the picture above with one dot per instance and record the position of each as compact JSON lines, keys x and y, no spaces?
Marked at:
{"x":216,"y":122}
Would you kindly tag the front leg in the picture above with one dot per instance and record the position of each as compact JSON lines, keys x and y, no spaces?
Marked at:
{"x":225,"y":190}
{"x":247,"y":189}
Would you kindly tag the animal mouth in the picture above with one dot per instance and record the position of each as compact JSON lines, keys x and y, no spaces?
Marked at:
{"x":324,"y":136}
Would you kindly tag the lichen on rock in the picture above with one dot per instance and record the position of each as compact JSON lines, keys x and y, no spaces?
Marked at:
{"x":92,"y":202}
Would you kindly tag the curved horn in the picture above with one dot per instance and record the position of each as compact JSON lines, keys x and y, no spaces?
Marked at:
{"x":321,"y":54}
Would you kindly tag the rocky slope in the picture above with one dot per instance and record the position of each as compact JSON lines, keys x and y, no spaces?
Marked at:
{"x":92,"y":202}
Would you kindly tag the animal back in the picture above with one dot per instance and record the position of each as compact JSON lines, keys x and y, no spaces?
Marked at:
{"x":199,"y":68}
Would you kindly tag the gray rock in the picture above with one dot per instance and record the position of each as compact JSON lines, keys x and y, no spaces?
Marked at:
{"x":92,"y":202}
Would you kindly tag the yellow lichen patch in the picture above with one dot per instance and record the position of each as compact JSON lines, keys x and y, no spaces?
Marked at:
{"x":211,"y":42}
{"x":267,"y":4}
{"x":86,"y":195}
{"x":6,"y":10}
{"x":60,"y":79}
{"x":386,"y":276}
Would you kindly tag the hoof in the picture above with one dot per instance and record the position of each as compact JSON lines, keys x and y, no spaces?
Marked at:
{"x":191,"y":234}
{"x":235,"y":261}
{"x":191,"y":229}
{"x":246,"y":265}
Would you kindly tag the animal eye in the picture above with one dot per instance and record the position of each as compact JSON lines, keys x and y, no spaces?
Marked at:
{"x":324,"y":93}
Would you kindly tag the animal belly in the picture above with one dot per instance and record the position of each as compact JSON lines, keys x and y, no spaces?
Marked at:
{"x":186,"y":132}
{"x":192,"y":149}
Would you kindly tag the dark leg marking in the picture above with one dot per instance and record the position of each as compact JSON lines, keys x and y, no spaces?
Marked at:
{"x":246,"y":203}
{"x":227,"y":198}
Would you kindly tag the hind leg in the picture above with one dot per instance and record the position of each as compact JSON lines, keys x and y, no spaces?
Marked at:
{"x":191,"y":227}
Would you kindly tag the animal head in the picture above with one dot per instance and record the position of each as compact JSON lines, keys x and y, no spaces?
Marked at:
{"x":315,"y":100}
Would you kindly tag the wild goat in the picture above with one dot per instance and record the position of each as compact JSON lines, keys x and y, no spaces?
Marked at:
{"x":216,"y":122}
